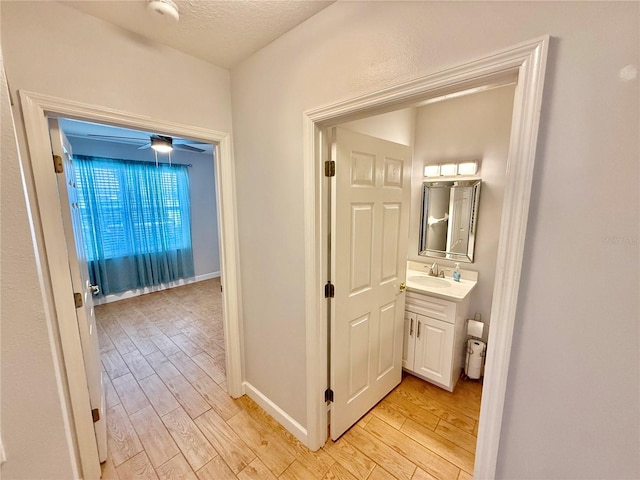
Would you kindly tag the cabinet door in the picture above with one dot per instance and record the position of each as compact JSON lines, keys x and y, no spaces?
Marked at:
{"x":434,"y":350}
{"x":408,"y":345}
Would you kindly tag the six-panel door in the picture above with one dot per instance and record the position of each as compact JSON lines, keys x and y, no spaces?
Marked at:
{"x":369,"y":251}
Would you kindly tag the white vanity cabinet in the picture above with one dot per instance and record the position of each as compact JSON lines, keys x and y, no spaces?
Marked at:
{"x":434,"y":338}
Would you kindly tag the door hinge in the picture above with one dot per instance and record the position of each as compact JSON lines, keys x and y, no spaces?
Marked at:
{"x":329,"y":168}
{"x":58,"y":166}
{"x":95,"y":413}
{"x":77,"y":298}
{"x":328,"y":395}
{"x":329,"y":290}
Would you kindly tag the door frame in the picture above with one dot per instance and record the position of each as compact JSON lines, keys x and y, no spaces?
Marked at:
{"x":525,"y":62}
{"x":57,"y":285}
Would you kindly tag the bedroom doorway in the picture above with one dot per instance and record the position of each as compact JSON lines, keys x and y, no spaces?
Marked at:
{"x":142,"y":218}
{"x":37,"y":109}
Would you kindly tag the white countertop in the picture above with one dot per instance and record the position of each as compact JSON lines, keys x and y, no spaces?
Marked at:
{"x":455,"y":291}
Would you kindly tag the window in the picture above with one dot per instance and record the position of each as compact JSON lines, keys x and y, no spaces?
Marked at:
{"x":131,"y":208}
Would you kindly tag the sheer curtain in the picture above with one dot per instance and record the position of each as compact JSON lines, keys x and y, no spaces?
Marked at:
{"x":136,"y":222}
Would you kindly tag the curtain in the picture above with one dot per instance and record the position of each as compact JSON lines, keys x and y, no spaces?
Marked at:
{"x":136,"y":222}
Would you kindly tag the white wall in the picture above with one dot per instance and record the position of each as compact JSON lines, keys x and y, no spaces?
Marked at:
{"x":397,"y":126}
{"x":572,"y":398}
{"x":473,"y":127}
{"x":204,"y":221}
{"x":35,"y":434}
{"x":52,"y":49}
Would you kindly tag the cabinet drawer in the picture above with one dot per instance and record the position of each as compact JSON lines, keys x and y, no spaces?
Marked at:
{"x":431,"y":307}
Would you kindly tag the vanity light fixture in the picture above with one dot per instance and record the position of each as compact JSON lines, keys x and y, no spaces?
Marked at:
{"x":451,"y":169}
{"x":432,"y":170}
{"x":467,"y":168}
{"x":448,"y":169}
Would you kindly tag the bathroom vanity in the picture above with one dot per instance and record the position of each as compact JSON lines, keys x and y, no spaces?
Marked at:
{"x":436,"y":310}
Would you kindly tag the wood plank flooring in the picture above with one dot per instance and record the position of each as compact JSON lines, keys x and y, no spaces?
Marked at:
{"x":169,"y":416}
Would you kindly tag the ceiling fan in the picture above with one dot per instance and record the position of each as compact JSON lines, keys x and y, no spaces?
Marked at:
{"x":160,"y":143}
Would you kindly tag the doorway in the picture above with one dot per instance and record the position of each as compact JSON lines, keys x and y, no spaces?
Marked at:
{"x":526,"y":63}
{"x":476,"y":126}
{"x":36,"y":108}
{"x":143,"y":221}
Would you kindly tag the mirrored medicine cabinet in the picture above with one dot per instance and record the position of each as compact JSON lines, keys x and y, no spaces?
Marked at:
{"x":449,"y":219}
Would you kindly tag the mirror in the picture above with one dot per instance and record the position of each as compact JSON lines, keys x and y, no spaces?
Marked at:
{"x":449,"y":219}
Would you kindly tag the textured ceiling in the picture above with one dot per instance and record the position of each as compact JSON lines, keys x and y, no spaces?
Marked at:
{"x":219,"y":32}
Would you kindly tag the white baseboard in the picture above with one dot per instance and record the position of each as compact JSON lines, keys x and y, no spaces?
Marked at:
{"x":207,"y":276}
{"x":114,"y":297}
{"x":276,"y":412}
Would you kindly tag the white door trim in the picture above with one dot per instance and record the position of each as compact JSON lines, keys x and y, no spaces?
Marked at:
{"x":527,"y":63}
{"x":35,"y":108}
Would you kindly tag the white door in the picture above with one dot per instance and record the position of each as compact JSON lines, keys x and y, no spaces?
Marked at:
{"x":370,"y":206}
{"x":80,"y":279}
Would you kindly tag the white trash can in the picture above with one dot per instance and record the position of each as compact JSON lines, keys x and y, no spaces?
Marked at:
{"x":475,"y":357}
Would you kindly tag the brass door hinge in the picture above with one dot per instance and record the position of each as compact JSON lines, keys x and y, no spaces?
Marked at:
{"x":329,"y":290}
{"x":328,"y":395}
{"x":58,"y":166}
{"x":77,"y":299}
{"x":329,"y":168}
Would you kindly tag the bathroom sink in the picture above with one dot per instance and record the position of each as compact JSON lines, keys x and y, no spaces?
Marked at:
{"x":427,"y":281}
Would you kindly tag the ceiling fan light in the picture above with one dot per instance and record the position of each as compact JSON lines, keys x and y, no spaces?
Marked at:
{"x":161,"y":145}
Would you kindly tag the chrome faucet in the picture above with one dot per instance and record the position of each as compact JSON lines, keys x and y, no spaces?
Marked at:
{"x":435,"y":272}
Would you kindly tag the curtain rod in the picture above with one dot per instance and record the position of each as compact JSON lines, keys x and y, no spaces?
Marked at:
{"x":125,"y":160}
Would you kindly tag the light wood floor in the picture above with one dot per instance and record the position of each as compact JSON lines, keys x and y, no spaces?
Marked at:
{"x":169,"y":417}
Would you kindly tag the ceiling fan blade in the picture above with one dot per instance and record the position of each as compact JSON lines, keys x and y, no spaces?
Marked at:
{"x":181,"y":144}
{"x":188,"y":142}
{"x":121,"y":138}
{"x":188,"y":148}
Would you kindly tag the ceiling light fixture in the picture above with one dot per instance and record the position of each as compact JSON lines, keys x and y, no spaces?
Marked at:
{"x":162,"y":144}
{"x":165,"y":8}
